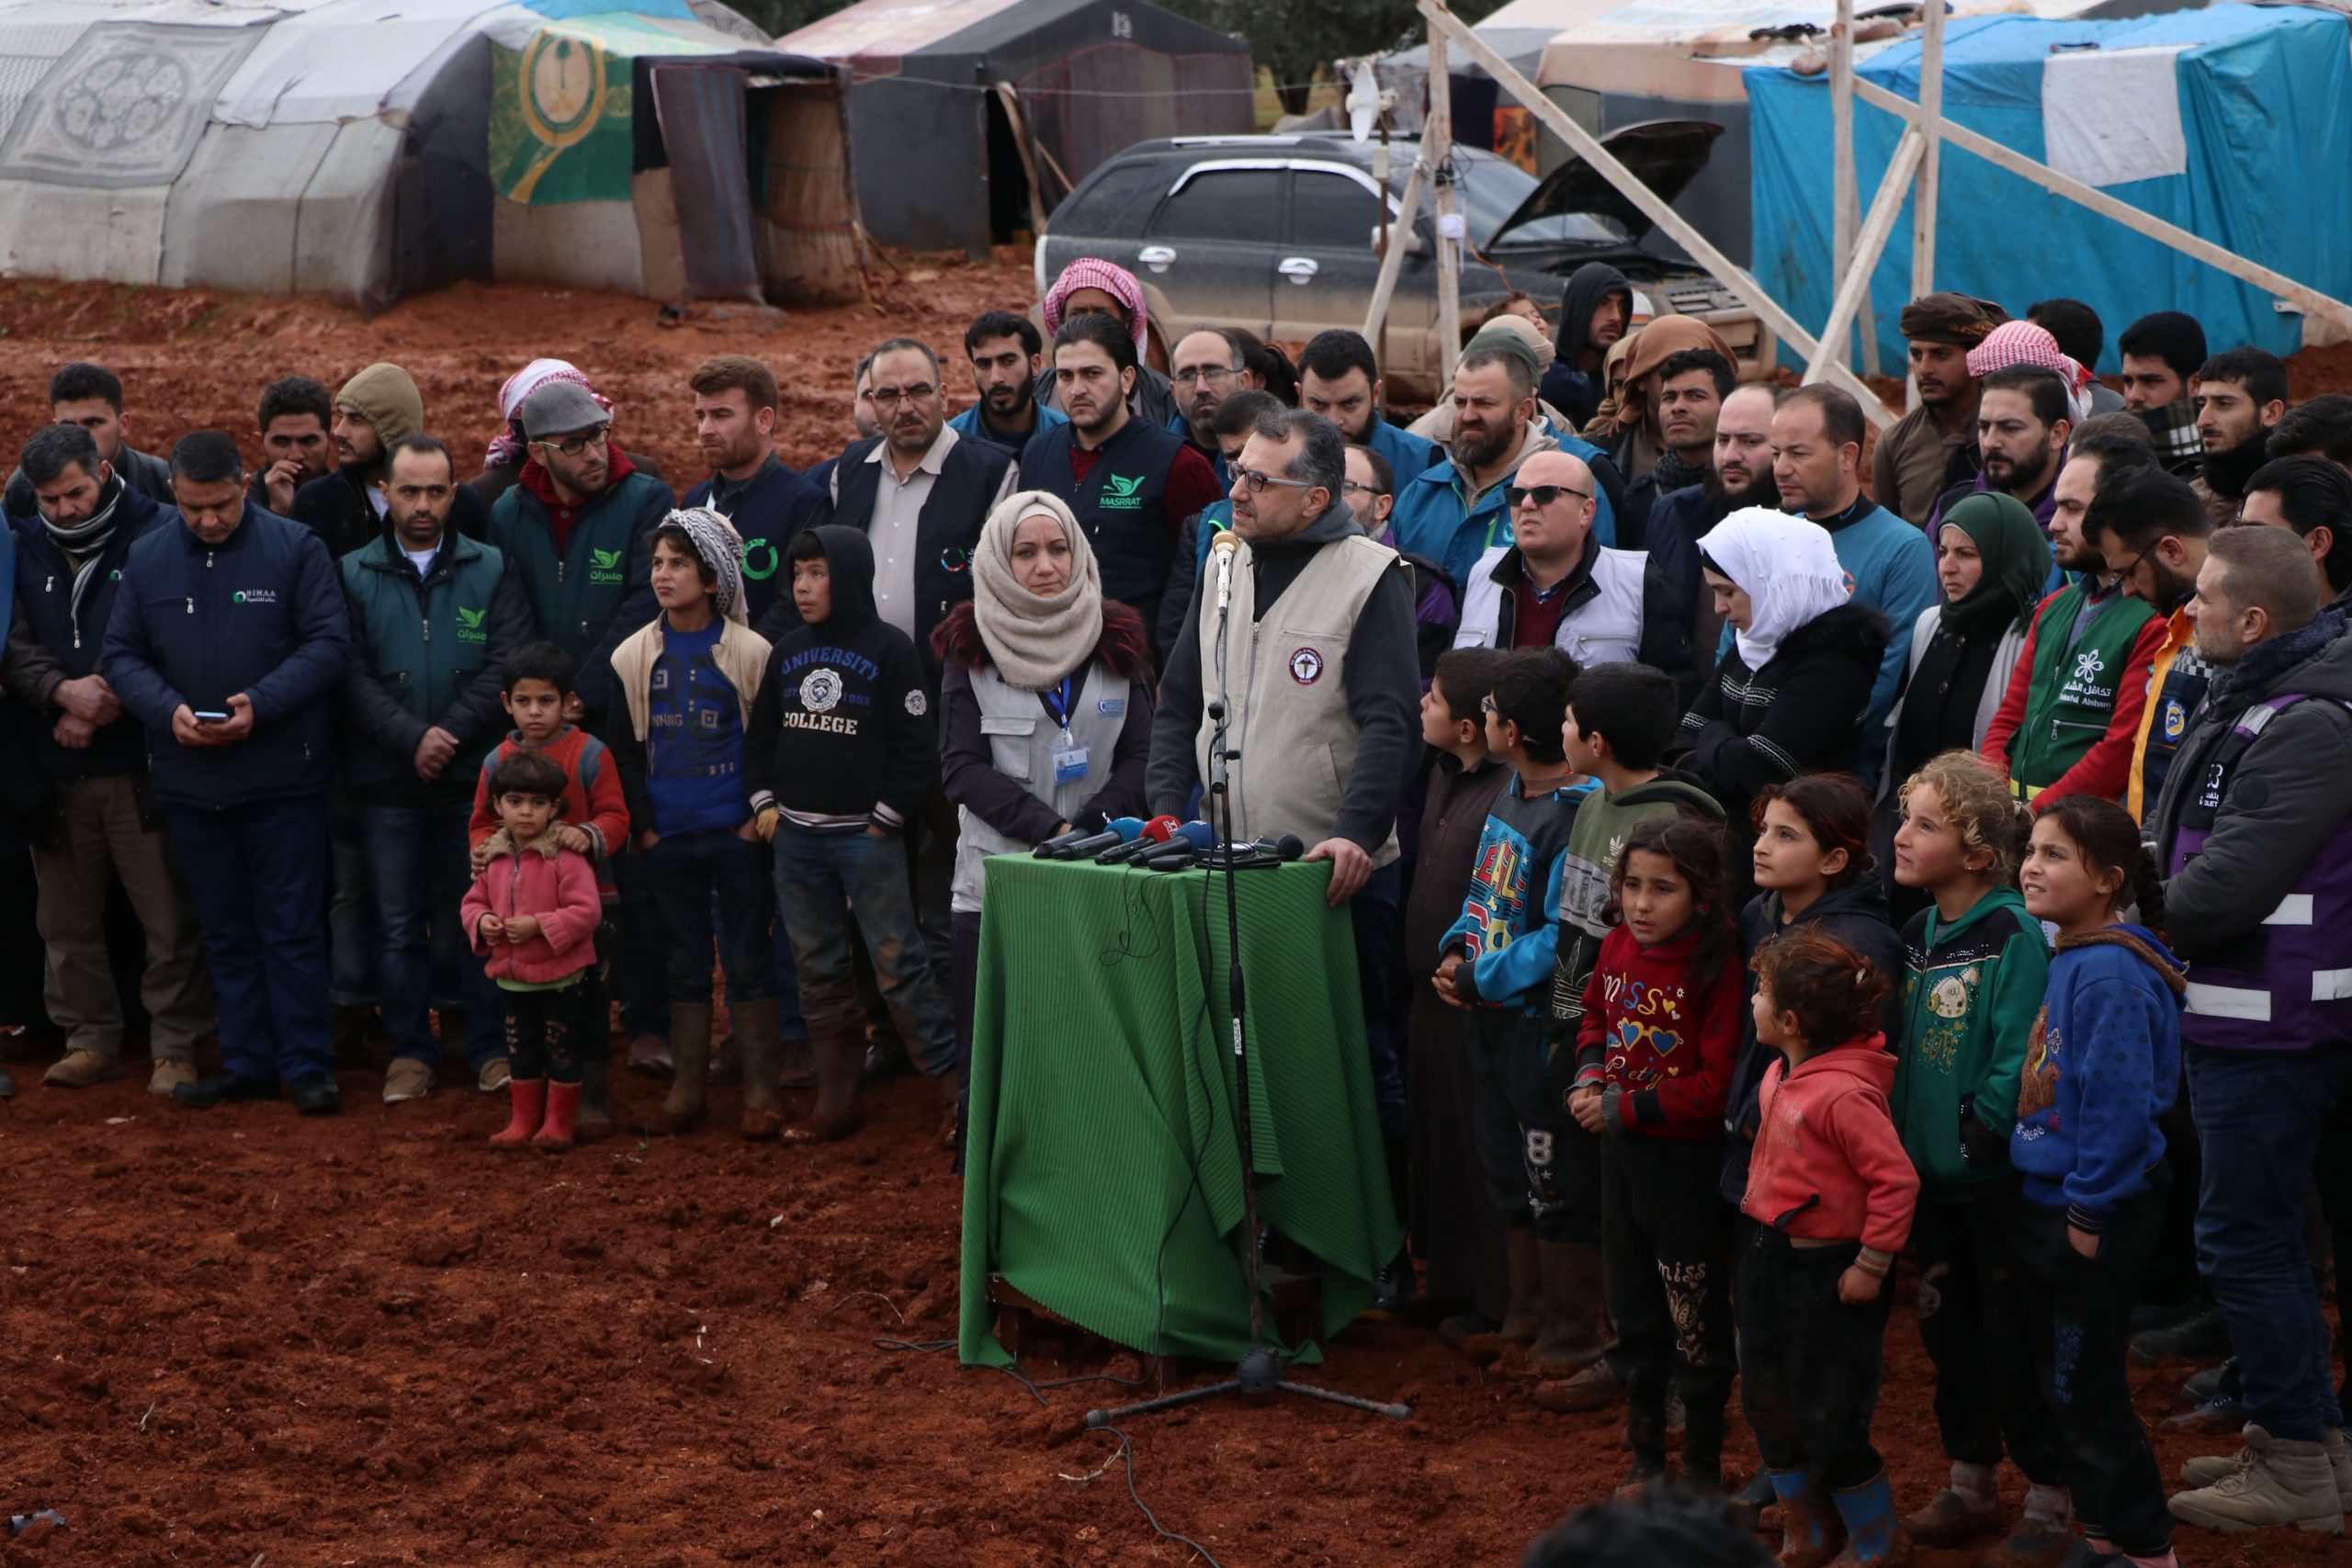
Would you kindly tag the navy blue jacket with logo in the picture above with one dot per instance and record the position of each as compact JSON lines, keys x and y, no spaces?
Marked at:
{"x":772,"y":506}
{"x":262,"y":614}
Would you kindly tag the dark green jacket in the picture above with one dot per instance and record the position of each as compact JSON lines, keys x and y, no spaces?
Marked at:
{"x":1970,"y":990}
{"x":602,"y":588}
{"x":2070,"y":699}
{"x":425,"y":652}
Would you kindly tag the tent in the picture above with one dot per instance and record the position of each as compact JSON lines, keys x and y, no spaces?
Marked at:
{"x":370,"y":149}
{"x":969,"y":119}
{"x":2227,"y":121}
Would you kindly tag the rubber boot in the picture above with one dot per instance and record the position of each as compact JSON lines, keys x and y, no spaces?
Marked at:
{"x":755,"y":1035}
{"x":1872,"y":1538}
{"x":1523,"y":1319}
{"x":1570,"y":1339}
{"x":594,"y":1122}
{"x":1811,"y":1531}
{"x":840,"y":1065}
{"x":1702,"y":1450}
{"x":556,"y":1134}
{"x":681,"y":1111}
{"x":529,"y":1097}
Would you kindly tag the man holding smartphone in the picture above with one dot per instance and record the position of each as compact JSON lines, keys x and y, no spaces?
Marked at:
{"x":226,"y":642}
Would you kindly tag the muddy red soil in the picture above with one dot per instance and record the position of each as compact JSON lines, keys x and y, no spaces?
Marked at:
{"x":238,"y":1337}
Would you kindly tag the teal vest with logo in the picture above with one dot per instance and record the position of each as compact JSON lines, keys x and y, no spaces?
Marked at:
{"x":424,"y":642}
{"x":2071,"y":699}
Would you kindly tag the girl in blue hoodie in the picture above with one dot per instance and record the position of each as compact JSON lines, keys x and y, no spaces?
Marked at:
{"x":2101,"y":1067}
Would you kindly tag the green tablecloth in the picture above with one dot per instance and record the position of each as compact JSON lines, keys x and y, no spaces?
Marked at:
{"x":1102,"y":1102}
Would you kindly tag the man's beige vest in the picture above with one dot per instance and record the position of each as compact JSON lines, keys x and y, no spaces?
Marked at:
{"x":1284,"y":692}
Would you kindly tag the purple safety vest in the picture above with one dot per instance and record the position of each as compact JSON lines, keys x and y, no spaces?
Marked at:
{"x":2287,"y":985}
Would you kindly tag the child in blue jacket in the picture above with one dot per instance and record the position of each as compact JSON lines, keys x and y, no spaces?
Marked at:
{"x":2102,"y":1065}
{"x":1496,"y":961}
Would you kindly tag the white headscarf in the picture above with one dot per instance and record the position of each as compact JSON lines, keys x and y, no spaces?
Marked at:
{"x":1788,"y":567}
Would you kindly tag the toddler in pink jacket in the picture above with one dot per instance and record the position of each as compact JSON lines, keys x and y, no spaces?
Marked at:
{"x":532,"y":914}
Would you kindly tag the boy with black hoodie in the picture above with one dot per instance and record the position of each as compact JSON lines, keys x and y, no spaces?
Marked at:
{"x":841,"y":754}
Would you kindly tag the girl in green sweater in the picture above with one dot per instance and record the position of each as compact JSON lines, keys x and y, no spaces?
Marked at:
{"x":1975,"y":963}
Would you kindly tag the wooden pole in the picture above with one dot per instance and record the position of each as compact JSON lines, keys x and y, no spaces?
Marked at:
{"x":1932,"y":108}
{"x":1855,"y":287}
{"x":1436,"y":150}
{"x":2304,"y":297}
{"x":1392,"y":261}
{"x":1845,"y":198}
{"x":1603,"y":163}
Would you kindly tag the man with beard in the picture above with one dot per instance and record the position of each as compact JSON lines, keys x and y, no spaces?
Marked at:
{"x":1689,"y":398}
{"x":2068,"y":723}
{"x":1740,"y":475}
{"x":346,"y":507}
{"x":433,"y":616}
{"x":2312,"y":497}
{"x":2317,"y":428}
{"x":2021,"y":429}
{"x":1208,"y":368}
{"x":919,"y":493}
{"x":1453,"y":512}
{"x":1595,"y":308}
{"x":1089,"y":287}
{"x":2161,"y":354}
{"x":91,"y":396}
{"x":1339,"y":379}
{"x":735,"y":406}
{"x":2241,"y":396}
{"x":1007,"y":355}
{"x":293,"y":421}
{"x":1908,"y":468}
{"x":1130,"y":482}
{"x":1817,"y":464}
{"x":102,"y":824}
{"x":2151,"y":545}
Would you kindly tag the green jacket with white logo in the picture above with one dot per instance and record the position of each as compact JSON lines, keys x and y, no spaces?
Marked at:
{"x":601,"y":588}
{"x":425,"y":653}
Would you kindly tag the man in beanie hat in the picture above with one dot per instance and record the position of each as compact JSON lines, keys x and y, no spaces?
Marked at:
{"x":574,"y":527}
{"x":685,"y":684}
{"x":501,"y":465}
{"x":1908,"y":471}
{"x":347,"y":509}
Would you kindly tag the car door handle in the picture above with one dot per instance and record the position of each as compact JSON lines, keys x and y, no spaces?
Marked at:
{"x":1156,"y":258}
{"x":1299,"y":269}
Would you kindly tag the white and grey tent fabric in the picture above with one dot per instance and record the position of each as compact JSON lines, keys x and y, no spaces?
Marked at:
{"x":371,"y":148}
{"x":961,"y":111}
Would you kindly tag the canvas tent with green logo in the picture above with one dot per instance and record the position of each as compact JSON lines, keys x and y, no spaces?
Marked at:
{"x":371,"y":148}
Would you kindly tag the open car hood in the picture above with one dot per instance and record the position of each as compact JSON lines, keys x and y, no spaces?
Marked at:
{"x":1663,"y":154}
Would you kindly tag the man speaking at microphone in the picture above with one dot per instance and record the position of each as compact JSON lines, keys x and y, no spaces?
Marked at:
{"x":1320,"y":689}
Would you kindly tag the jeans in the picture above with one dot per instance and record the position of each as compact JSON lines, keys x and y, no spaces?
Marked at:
{"x":791,"y":1025}
{"x":351,"y":915}
{"x":1380,"y":977}
{"x":544,"y":1031}
{"x":1809,"y":1364}
{"x":688,"y":870}
{"x":1666,"y":1269}
{"x":418,"y":868}
{"x":816,"y":874}
{"x":2259,"y":1116}
{"x":1542,"y":1169}
{"x":2078,"y":1311}
{"x":1976,"y":1332}
{"x":258,"y":875}
{"x":641,"y":960}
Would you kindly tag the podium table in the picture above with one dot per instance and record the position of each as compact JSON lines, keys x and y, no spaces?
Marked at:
{"x":1103,"y":1179}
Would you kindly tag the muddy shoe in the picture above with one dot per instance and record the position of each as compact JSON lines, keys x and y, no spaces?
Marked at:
{"x":407,"y":1078}
{"x":494,"y":1076}
{"x":169,"y":1073}
{"x":596,"y":1119}
{"x":1961,"y":1512}
{"x":1595,"y":1388}
{"x":1648,"y":1470}
{"x":83,"y":1069}
{"x":2198,"y":1332}
{"x":649,"y":1056}
{"x":1523,"y":1317}
{"x":2044,"y":1537}
{"x":799,"y":1066}
{"x":2274,"y":1482}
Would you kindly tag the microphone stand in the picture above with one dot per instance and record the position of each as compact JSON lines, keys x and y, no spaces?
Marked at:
{"x":1261,"y":1371}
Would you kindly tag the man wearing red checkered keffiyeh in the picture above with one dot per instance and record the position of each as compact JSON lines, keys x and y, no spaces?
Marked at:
{"x":2023,"y":343}
{"x":1091,"y":287}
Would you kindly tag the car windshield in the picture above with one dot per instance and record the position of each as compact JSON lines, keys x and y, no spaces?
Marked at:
{"x":1492,"y":191}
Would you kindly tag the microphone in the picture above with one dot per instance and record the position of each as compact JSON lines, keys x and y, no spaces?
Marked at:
{"x":1288,"y":847}
{"x":1078,"y":841}
{"x":1153,"y":834}
{"x":1191,"y":839}
{"x":1222,"y":546}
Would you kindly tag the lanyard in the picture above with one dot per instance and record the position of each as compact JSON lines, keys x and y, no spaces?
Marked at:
{"x":1057,"y":704}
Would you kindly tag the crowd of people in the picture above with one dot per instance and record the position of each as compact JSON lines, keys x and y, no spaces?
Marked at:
{"x":1784,"y":875}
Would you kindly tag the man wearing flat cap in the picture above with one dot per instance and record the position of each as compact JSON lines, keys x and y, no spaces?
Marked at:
{"x":574,"y":527}
{"x":1932,"y":448}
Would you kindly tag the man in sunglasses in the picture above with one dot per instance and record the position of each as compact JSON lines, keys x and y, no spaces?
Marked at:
{"x":1556,"y":583}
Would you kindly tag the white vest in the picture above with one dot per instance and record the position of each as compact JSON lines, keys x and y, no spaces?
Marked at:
{"x":1285,"y":692}
{"x":1023,"y":739}
{"x":1604,"y":630}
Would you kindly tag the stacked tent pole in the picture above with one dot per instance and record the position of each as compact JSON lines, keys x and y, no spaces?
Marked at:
{"x":1437,"y":149}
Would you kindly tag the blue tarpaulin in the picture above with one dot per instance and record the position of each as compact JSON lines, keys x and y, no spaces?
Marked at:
{"x":2233,"y":122}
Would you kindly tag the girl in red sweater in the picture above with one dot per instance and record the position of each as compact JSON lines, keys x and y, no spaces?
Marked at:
{"x":1831,"y":1191}
{"x":1661,"y":1027}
